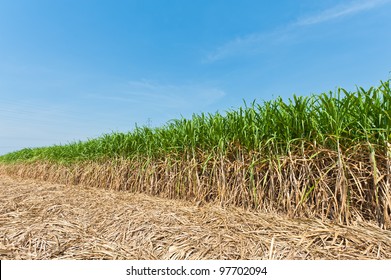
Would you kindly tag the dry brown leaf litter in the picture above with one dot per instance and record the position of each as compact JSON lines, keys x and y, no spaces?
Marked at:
{"x":40,"y":220}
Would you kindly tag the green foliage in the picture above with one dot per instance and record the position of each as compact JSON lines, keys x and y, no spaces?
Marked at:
{"x":330,"y":120}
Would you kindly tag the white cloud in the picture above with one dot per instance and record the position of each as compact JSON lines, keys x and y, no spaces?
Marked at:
{"x":341,"y":11}
{"x":256,"y":42}
{"x":165,"y":96}
{"x":249,"y":44}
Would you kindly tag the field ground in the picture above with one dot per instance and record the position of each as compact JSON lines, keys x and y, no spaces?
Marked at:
{"x":40,"y":220}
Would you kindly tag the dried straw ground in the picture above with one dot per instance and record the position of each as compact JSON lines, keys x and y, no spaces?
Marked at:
{"x":52,"y":221}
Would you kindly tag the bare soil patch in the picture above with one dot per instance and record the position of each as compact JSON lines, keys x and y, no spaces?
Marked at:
{"x":41,"y":220}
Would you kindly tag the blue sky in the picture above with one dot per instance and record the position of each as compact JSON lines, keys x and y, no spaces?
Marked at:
{"x":73,"y":70}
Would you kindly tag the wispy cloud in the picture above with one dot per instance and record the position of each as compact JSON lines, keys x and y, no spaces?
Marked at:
{"x":249,"y":44}
{"x":165,"y":96}
{"x":340,"y":11}
{"x":257,"y":42}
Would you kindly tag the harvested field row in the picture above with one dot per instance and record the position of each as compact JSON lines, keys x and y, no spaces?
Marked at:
{"x":40,"y":220}
{"x":343,"y":187}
